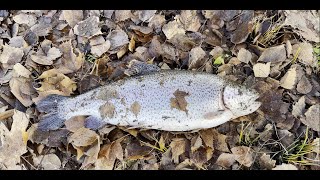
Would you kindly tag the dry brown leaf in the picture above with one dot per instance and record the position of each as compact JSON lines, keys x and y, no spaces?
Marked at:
{"x":190,"y":20}
{"x":53,"y":54}
{"x":244,"y":56}
{"x":304,"y":86}
{"x":289,"y":80}
{"x":12,"y":142}
{"x":178,"y":147}
{"x":299,"y":107}
{"x":179,"y":102}
{"x":196,"y":143}
{"x":135,"y":150}
{"x":182,"y":42}
{"x":108,"y":155}
{"x":172,"y":28}
{"x":273,"y":54}
{"x":18,"y":42}
{"x":146,"y":15}
{"x":75,"y":123}
{"x":70,"y":62}
{"x":243,"y":154}
{"x":284,"y":166}
{"x":100,"y":49}
{"x":157,"y":22}
{"x":207,"y":137}
{"x":304,"y":53}
{"x":132,"y":44}
{"x":266,"y":162}
{"x":304,"y":23}
{"x":226,"y":160}
{"x":196,"y":57}
{"x":28,"y":19}
{"x":312,"y":117}
{"x":117,"y":38}
{"x":261,"y":70}
{"x":53,"y":79}
{"x":20,"y":85}
{"x":91,"y":154}
{"x":83,"y":137}
{"x":72,"y":16}
{"x":122,"y":15}
{"x":10,"y":56}
{"x":88,"y":27}
{"x":47,"y":162}
{"x":219,"y":142}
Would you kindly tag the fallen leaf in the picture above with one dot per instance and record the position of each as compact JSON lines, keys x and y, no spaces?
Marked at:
{"x":75,"y":123}
{"x":289,"y":80}
{"x":196,"y":57}
{"x":72,"y":16}
{"x":286,"y":137}
{"x":216,"y":52}
{"x":304,"y":53}
{"x":207,"y":137}
{"x":304,"y":23}
{"x":53,"y":79}
{"x":12,"y":144}
{"x":273,"y":54}
{"x":70,"y":62}
{"x":266,"y":162}
{"x":28,"y":19}
{"x":135,"y":150}
{"x":196,"y":143}
{"x":91,"y":153}
{"x":243,"y":154}
{"x":219,"y":142}
{"x":132,"y":44}
{"x":243,"y":25}
{"x":47,"y":162}
{"x":122,"y":15}
{"x":88,"y":27}
{"x":157,"y":22}
{"x":47,"y":59}
{"x":21,"y":85}
{"x":190,"y":20}
{"x":83,"y":137}
{"x":178,"y":147}
{"x":146,"y":15}
{"x":117,"y":38}
{"x":312,"y":117}
{"x":261,"y":70}
{"x":244,"y":56}
{"x":284,"y":166}
{"x":172,"y":28}
{"x":108,"y":155}
{"x":100,"y":49}
{"x":299,"y":107}
{"x":218,"y":61}
{"x":179,"y":102}
{"x":10,"y":56}
{"x":18,"y":42}
{"x":226,"y":160}
{"x":304,"y":86}
{"x":42,"y":28}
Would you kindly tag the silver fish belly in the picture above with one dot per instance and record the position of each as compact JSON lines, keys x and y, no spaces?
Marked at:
{"x":165,"y":100}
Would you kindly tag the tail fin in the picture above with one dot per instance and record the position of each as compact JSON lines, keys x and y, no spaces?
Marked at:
{"x":52,"y":120}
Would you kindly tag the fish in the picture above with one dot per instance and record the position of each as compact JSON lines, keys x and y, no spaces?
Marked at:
{"x":168,"y":100}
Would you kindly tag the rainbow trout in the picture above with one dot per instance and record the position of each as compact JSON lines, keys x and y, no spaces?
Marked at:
{"x":172,"y":100}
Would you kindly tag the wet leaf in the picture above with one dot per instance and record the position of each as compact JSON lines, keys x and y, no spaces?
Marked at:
{"x":12,"y":144}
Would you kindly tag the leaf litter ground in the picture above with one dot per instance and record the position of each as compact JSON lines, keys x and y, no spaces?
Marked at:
{"x":69,"y":52}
